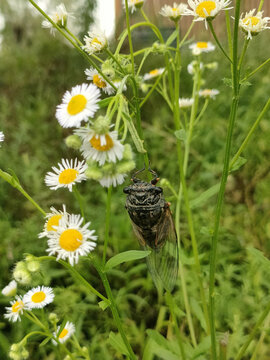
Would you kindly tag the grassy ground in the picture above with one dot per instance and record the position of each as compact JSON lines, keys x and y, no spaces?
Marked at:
{"x":35,"y":72}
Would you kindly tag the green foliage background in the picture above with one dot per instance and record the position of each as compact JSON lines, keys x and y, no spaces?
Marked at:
{"x":35,"y":70}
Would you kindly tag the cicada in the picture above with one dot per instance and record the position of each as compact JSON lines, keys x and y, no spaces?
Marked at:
{"x":153,"y":225}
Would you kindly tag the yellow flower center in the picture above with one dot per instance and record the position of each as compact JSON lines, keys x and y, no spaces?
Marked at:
{"x":96,"y":143}
{"x":17,"y":306}
{"x":52,"y":222}
{"x":67,"y":176}
{"x":76,"y":104}
{"x":70,"y":239}
{"x":174,"y":9}
{"x":154,"y":72}
{"x":251,"y":20}
{"x":205,"y":7}
{"x":63,"y":333}
{"x":95,"y":41}
{"x":38,"y":297}
{"x":202,"y":44}
{"x":98,"y":81}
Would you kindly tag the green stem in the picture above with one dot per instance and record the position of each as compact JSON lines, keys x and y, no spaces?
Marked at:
{"x":229,"y":33}
{"x":76,"y":275}
{"x":216,"y":39}
{"x":15,"y":183}
{"x":261,"y":339}
{"x":129,"y":38}
{"x":243,"y":54}
{"x":253,"y":332}
{"x":74,"y":43}
{"x":220,"y":200}
{"x":260,"y":5}
{"x":251,"y":131}
{"x":254,"y":71}
{"x":114,"y":309}
{"x":80,"y":200}
{"x":176,"y":113}
{"x":152,"y":88}
{"x":186,"y":35}
{"x":107,"y":223}
{"x":78,"y":41}
{"x":171,"y":305}
{"x":115,"y":60}
{"x":205,"y":105}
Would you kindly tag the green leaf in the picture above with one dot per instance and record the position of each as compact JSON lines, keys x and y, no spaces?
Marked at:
{"x":45,"y":341}
{"x":172,"y":37}
{"x":202,"y":348}
{"x":197,"y":310}
{"x":117,"y":343}
{"x":158,"y":338}
{"x":125,"y":256}
{"x":103,"y":304}
{"x":181,"y":135}
{"x":258,"y":256}
{"x":207,"y":194}
{"x":105,"y":102}
{"x":239,"y":162}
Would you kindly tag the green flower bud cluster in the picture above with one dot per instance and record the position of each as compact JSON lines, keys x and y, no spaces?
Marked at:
{"x":18,"y":352}
{"x":123,"y":166}
{"x":73,"y":142}
{"x":101,"y":125}
{"x":23,"y":269}
{"x":159,"y":48}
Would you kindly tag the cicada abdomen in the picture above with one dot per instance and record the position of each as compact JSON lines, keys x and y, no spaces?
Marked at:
{"x":154,"y":227}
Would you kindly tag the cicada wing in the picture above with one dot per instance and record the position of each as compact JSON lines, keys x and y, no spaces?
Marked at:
{"x":165,"y":258}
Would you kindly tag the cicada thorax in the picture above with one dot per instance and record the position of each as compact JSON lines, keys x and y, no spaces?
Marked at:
{"x":146,"y":207}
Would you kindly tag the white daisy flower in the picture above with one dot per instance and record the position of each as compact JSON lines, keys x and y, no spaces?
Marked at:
{"x":153,"y":73}
{"x":206,"y":9}
{"x":67,"y":175}
{"x":100,"y":147}
{"x":185,"y":102}
{"x":65,"y":334}
{"x":93,"y":75}
{"x":201,"y":46}
{"x":173,"y":12}
{"x":253,"y":24}
{"x":134,"y":4}
{"x":191,"y":69}
{"x":70,"y":240}
{"x":78,"y":105}
{"x":114,"y":180}
{"x":95,"y":41}
{"x":52,"y":220}
{"x":2,"y":136}
{"x":209,"y":93}
{"x":15,"y":310}
{"x":59,"y":16}
{"x":38,"y":297}
{"x":10,"y":289}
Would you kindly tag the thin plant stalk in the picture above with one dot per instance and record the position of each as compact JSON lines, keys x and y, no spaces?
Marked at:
{"x":220,"y":200}
{"x":129,"y":38}
{"x":217,"y":41}
{"x":80,"y":200}
{"x":76,"y":275}
{"x":114,"y":310}
{"x":253,"y":332}
{"x":257,"y":69}
{"x":107,"y":222}
{"x":250,"y":133}
{"x":260,"y":5}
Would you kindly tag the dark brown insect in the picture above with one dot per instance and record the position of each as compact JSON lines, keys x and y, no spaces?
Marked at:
{"x":153,"y":226}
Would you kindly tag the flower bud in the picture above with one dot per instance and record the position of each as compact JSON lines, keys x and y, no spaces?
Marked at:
{"x":164,"y":183}
{"x":21,"y":274}
{"x":93,"y":173}
{"x":102,"y":125}
{"x":73,"y":142}
{"x":53,"y":318}
{"x":10,"y":289}
{"x":125,"y":166}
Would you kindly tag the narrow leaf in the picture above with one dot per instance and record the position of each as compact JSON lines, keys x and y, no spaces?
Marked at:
{"x":125,"y":256}
{"x":117,"y":343}
{"x":105,"y":102}
{"x":207,"y":194}
{"x":239,"y":163}
{"x":172,"y":37}
{"x":181,"y":135}
{"x":258,"y":256}
{"x":45,"y":341}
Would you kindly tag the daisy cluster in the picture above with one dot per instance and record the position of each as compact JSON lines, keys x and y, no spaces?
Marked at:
{"x":36,"y":298}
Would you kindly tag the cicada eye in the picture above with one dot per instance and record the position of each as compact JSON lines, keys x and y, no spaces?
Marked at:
{"x":126,"y":190}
